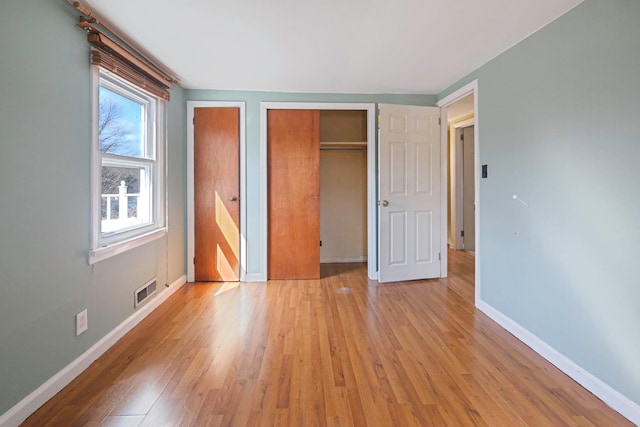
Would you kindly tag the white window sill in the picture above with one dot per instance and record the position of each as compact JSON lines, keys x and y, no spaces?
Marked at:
{"x":105,"y":252}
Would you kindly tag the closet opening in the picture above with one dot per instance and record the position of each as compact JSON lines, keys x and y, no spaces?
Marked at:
{"x":343,"y":189}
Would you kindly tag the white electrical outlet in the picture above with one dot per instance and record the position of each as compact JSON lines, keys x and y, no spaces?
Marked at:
{"x":82,"y":322}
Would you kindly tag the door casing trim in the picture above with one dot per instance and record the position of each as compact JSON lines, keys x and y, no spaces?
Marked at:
{"x":470,"y":88}
{"x":191,"y":106}
{"x":456,"y":167}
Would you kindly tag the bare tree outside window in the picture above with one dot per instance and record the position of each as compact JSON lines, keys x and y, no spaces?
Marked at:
{"x":120,"y":133}
{"x":113,"y":131}
{"x":120,"y":127}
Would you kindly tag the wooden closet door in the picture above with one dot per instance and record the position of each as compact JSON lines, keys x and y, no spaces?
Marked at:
{"x":293,"y":141}
{"x":216,"y":191}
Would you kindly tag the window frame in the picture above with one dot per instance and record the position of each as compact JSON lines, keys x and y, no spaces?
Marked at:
{"x":106,"y":245}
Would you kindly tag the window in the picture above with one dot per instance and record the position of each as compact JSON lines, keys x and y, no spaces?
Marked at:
{"x":128,"y":175}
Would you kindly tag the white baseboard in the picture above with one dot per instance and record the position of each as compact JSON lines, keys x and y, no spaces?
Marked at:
{"x":254,"y":277}
{"x":331,"y":260}
{"x":27,"y":406}
{"x":608,"y":395}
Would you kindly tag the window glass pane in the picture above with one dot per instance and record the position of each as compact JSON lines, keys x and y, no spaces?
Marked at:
{"x":120,"y":124}
{"x":125,"y":198}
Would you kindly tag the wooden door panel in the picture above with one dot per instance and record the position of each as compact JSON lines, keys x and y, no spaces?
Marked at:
{"x":293,"y":140}
{"x":216,"y":184}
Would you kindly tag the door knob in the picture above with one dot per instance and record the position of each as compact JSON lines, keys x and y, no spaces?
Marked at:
{"x":233,"y":199}
{"x":385,"y":203}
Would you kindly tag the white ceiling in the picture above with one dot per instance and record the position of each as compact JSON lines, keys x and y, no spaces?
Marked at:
{"x":331,"y":46}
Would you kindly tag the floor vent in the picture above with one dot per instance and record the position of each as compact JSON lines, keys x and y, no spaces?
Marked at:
{"x":145,"y":292}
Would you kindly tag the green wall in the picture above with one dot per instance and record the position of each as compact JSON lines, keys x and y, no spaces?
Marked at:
{"x":253,"y":100}
{"x":559,"y":118}
{"x":45,"y":137}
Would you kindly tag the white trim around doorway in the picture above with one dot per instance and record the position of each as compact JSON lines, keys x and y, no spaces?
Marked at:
{"x":470,"y":88}
{"x":464,"y":123}
{"x":372,"y":234}
{"x":191,"y":105}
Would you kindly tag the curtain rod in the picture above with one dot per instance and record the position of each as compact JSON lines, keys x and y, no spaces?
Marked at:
{"x":93,"y":18}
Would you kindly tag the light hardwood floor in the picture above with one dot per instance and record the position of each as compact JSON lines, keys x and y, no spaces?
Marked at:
{"x":308,"y":352}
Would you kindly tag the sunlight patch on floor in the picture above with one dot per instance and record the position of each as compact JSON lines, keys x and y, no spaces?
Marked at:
{"x":226,"y":286}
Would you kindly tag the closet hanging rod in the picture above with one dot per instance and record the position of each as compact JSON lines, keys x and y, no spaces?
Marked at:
{"x":343,"y":148}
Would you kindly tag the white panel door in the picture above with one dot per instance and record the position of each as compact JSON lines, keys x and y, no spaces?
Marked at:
{"x":409,"y":193}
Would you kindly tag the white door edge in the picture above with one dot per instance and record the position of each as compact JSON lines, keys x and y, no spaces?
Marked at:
{"x":191,"y":106}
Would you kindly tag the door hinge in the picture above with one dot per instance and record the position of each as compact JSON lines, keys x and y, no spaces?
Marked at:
{"x":462,"y":137}
{"x":320,"y":242}
{"x":439,"y":256}
{"x":194,"y":260}
{"x":194,"y":120}
{"x":439,"y":120}
{"x":461,"y":233}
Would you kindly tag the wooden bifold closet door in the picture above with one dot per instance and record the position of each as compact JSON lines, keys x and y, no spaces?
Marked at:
{"x":293,"y":141}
